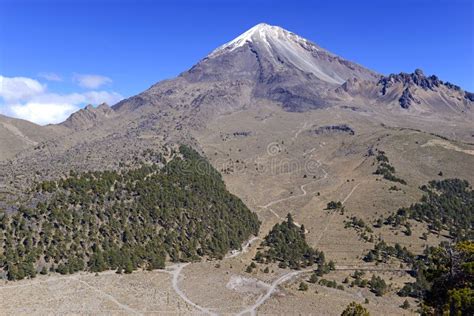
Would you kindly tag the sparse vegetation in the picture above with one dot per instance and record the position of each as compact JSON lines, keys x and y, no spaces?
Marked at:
{"x":313,"y":278}
{"x":447,"y":204}
{"x":333,"y":205}
{"x":378,"y":285}
{"x":382,"y":252}
{"x":354,"y":309}
{"x":331,"y":283}
{"x":251,"y":267}
{"x":385,"y":169}
{"x":303,"y":286}
{"x":358,"y":280}
{"x":405,"y":305}
{"x":363,"y":230}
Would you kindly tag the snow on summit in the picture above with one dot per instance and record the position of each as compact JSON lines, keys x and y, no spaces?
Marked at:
{"x":262,"y":33}
{"x":279,"y":44}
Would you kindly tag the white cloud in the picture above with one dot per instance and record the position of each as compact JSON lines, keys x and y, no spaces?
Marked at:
{"x":43,"y":113}
{"x":27,"y":99}
{"x":91,"y":81}
{"x":50,"y":76}
{"x":89,"y":97}
{"x":97,"y":97}
{"x":19,"y":88}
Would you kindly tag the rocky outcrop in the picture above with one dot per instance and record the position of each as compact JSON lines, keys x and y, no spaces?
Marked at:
{"x":88,"y":117}
{"x":416,"y":79}
{"x":407,"y":98}
{"x":469,"y":96}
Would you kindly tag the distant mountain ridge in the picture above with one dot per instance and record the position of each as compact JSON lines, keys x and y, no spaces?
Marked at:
{"x":411,"y":91}
{"x":89,"y":116}
{"x":17,"y":135}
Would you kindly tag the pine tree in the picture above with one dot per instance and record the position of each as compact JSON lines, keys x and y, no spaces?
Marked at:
{"x":303,"y":286}
{"x":354,"y":309}
{"x":313,"y":278}
{"x":405,"y":305}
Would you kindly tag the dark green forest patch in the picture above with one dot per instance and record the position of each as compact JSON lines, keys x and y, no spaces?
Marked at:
{"x":178,"y":211}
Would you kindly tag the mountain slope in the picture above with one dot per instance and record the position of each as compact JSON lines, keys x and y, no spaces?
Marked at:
{"x":17,"y":135}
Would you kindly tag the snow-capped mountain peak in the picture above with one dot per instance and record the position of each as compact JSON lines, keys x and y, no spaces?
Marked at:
{"x":285,"y":49}
{"x":261,"y":33}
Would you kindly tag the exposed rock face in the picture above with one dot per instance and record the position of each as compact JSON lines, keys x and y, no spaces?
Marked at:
{"x":416,"y":79}
{"x":429,"y":93}
{"x":469,"y":96}
{"x":88,"y":117}
{"x":407,"y":98}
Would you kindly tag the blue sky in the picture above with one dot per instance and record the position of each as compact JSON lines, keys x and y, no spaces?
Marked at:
{"x":93,"y":51}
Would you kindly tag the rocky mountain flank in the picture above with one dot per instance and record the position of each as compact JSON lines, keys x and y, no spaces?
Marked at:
{"x":18,"y":135}
{"x":411,"y":91}
{"x":89,"y":117}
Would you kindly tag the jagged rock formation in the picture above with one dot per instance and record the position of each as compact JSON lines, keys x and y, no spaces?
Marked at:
{"x":428,"y":93}
{"x":88,"y":117}
{"x":407,"y":98}
{"x":417,"y":79}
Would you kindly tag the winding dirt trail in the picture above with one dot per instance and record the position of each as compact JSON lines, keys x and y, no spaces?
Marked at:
{"x":252,"y":310}
{"x":176,"y":270}
{"x":323,"y":232}
{"x":302,"y":188}
{"x":245,"y":248}
{"x":111,"y":298}
{"x":299,"y":131}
